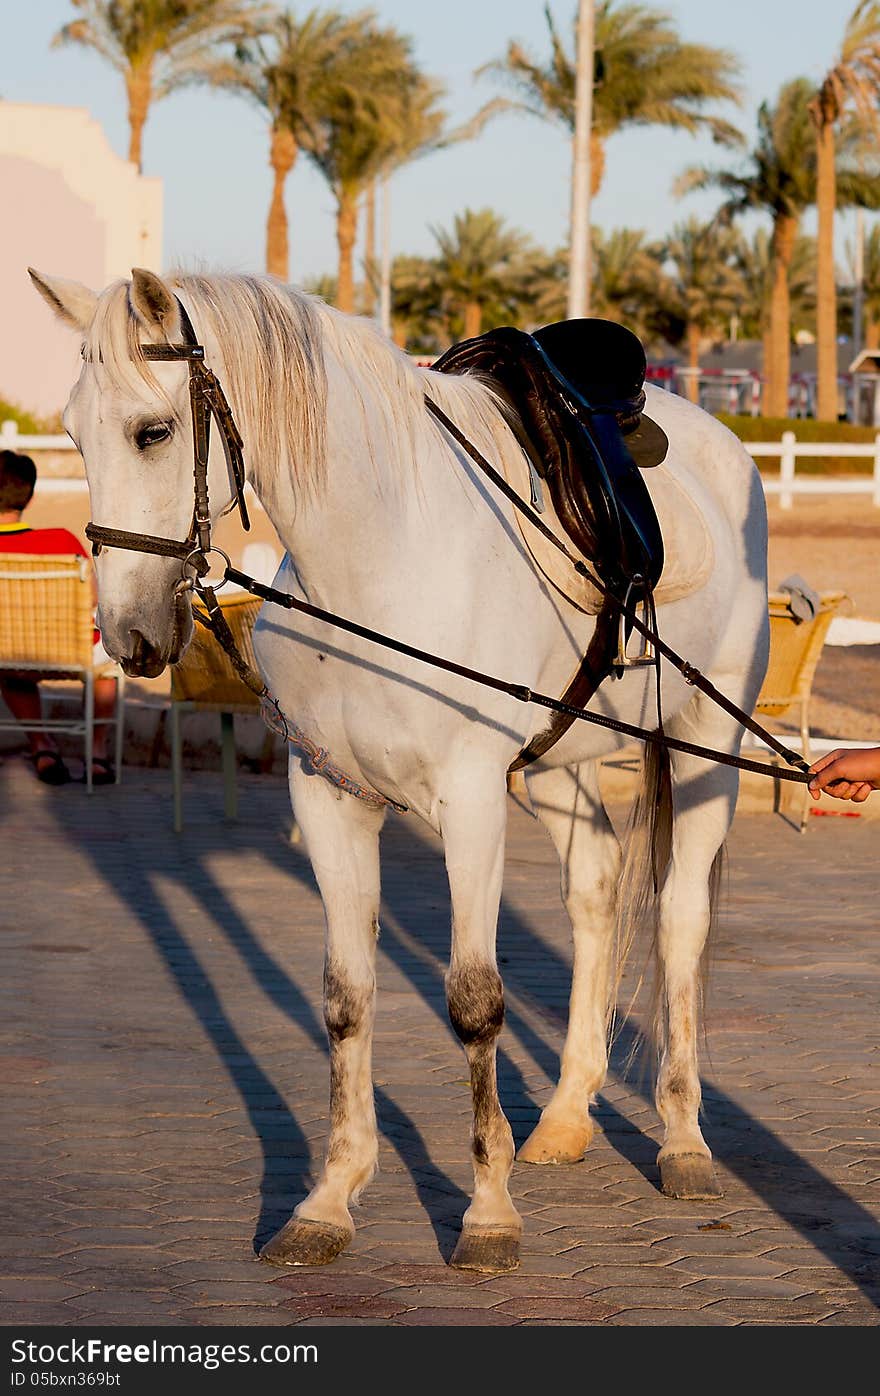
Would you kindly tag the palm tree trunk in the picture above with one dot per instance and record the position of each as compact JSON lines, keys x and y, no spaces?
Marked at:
{"x":346,"y":233}
{"x":139,"y":88}
{"x":370,"y":251}
{"x":766,"y":363}
{"x":597,"y":162}
{"x":283,"y":151}
{"x":473,"y":319}
{"x":778,"y":363}
{"x":693,"y":339}
{"x":826,"y":292}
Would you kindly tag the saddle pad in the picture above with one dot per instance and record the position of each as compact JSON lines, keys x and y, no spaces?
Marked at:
{"x":688,"y":545}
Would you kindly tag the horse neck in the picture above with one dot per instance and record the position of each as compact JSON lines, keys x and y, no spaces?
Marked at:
{"x":371,"y":469}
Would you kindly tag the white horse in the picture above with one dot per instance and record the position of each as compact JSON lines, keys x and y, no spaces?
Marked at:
{"x":386,"y":522}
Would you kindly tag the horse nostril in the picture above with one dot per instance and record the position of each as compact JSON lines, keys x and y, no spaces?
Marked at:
{"x":144,"y":660}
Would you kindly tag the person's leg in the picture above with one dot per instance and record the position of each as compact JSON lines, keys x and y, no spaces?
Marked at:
{"x":22,"y":698}
{"x":105,"y":704}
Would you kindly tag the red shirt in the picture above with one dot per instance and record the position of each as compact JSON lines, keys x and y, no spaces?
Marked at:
{"x":44,"y":542}
{"x":19,"y":538}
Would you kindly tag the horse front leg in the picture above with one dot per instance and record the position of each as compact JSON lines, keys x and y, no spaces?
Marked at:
{"x":473,"y":829}
{"x":342,"y":838}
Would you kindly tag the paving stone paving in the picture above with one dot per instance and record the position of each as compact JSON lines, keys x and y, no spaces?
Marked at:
{"x":163,"y":1076}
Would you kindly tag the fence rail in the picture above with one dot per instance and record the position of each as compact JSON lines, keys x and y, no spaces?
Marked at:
{"x":786,"y":485}
{"x":789,"y":484}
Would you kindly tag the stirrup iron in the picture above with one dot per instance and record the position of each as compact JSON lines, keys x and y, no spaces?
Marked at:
{"x":647,"y":655}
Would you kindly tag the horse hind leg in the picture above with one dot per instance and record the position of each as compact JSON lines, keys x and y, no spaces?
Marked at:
{"x":704,"y":800}
{"x":568,"y":804}
{"x":473,"y":836}
{"x":342,"y":837}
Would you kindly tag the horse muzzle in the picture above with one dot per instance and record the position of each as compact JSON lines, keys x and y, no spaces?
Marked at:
{"x":144,"y":660}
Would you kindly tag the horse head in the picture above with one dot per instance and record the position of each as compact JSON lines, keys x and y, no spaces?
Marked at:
{"x":131,"y":420}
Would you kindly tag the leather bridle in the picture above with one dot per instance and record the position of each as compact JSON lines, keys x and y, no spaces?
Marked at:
{"x":207,"y":398}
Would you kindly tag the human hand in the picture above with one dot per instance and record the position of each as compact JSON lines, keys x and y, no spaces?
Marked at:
{"x":847,"y":775}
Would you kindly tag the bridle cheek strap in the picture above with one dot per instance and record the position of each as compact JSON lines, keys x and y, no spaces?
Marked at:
{"x":206,"y":397}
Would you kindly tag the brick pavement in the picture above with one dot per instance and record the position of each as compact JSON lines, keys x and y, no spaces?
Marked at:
{"x":163,"y":1076}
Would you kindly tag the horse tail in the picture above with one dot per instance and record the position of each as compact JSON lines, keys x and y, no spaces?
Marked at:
{"x":647,"y":850}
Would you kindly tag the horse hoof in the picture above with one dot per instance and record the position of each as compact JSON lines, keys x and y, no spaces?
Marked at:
{"x":555,"y":1143}
{"x":689,"y":1177}
{"x":304,"y":1242}
{"x":489,"y":1251}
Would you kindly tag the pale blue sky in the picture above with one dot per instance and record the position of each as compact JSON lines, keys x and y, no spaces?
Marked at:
{"x":211,"y":150}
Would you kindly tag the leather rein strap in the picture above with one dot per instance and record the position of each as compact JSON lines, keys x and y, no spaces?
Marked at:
{"x":207,"y":397}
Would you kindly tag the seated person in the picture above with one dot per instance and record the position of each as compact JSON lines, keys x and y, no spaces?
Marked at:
{"x":22,"y":695}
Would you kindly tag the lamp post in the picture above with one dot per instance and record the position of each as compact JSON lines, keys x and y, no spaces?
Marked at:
{"x":579,"y":253}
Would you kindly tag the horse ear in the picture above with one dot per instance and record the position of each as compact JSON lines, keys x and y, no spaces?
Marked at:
{"x":155,"y":306}
{"x":72,"y":302}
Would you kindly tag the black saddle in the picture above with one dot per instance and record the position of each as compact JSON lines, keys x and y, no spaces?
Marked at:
{"x":575,"y":392}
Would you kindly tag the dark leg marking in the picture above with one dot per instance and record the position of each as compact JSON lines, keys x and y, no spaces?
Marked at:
{"x":345,"y":1004}
{"x":476,"y":1002}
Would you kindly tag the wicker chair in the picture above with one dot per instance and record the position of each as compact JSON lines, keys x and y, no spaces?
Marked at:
{"x":47,"y":632}
{"x":795,"y":649}
{"x":205,"y":681}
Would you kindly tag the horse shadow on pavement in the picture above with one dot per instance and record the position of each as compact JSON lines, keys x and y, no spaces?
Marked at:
{"x":286,"y":1150}
{"x":415,"y":941}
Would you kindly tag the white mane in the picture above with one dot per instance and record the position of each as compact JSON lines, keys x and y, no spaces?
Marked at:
{"x":275,"y":342}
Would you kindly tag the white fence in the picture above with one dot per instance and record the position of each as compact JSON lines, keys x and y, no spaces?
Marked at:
{"x":786,"y":485}
{"x":789,"y":484}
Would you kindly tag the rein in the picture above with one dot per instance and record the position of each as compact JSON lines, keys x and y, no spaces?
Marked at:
{"x":207,"y":398}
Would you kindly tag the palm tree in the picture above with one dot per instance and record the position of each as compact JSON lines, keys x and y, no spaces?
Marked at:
{"x":544,"y":281}
{"x":417,"y":131}
{"x":420,"y":131}
{"x":756,"y":263}
{"x":479,"y":271}
{"x":417,"y":317}
{"x":781,"y":178}
{"x":646,"y":76}
{"x":871,"y":288}
{"x":290,"y":71}
{"x":705,"y":285}
{"x":851,"y":87}
{"x":159,"y":45}
{"x":628,"y":280}
{"x":368,"y":99}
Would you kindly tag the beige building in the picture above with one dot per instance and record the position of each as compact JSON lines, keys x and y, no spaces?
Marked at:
{"x":72,"y":207}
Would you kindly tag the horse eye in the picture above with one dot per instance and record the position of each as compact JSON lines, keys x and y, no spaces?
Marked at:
{"x":152,"y":434}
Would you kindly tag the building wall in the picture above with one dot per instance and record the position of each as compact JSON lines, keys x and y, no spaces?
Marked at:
{"x":71,"y":207}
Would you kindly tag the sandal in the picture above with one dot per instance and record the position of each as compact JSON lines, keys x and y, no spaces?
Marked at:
{"x":49,"y":767}
{"x":102,"y":771}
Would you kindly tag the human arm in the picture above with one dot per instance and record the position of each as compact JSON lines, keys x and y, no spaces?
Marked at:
{"x":847,"y":775}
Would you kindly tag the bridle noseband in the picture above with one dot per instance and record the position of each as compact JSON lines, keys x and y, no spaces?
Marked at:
{"x":206,"y":397}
